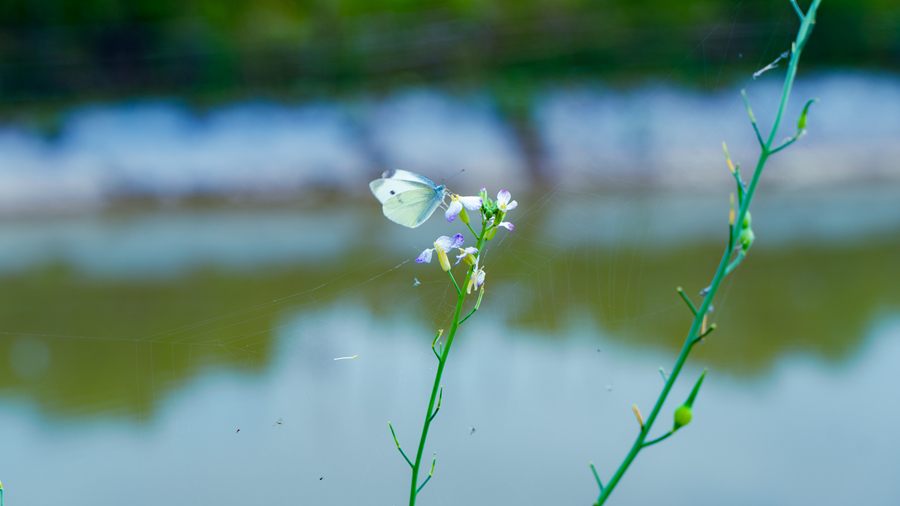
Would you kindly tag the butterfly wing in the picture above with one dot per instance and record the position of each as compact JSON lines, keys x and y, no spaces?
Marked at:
{"x":395,"y":181}
{"x":411,"y":208}
{"x":406,"y":175}
{"x":383,"y":189}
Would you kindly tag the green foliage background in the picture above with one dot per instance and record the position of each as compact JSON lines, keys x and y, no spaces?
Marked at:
{"x":58,"y":48}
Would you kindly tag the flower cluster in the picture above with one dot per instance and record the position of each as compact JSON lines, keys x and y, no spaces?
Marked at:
{"x":492,"y":214}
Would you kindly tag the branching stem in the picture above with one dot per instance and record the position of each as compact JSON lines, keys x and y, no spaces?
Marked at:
{"x":398,"y":444}
{"x":657,"y":440}
{"x":803,"y":33}
{"x":477,"y":304}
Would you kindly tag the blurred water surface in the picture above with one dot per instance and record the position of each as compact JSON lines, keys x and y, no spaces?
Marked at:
{"x":140,"y":340}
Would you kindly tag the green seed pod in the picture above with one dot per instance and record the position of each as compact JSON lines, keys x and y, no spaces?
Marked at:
{"x":490,"y":233}
{"x":747,"y":237}
{"x":683,"y":416}
{"x":747,"y":220}
{"x":463,"y":216}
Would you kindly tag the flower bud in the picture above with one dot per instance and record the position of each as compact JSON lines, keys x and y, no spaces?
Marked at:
{"x":747,"y":237}
{"x":683,"y":416}
{"x":731,"y":211}
{"x":747,"y":220}
{"x":684,"y":413}
{"x":490,"y":233}
{"x":442,"y":257}
{"x":469,"y":259}
{"x":483,"y":194}
{"x":801,"y":123}
{"x":463,"y":216}
{"x":490,"y":207}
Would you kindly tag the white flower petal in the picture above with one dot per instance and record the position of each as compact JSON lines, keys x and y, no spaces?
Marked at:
{"x":471,"y":203}
{"x":512,"y":205}
{"x":425,"y":257}
{"x":453,"y":210}
{"x":458,"y":240}
{"x":507,"y":225}
{"x":443,"y":242}
{"x":479,"y":278}
{"x":503,"y":197}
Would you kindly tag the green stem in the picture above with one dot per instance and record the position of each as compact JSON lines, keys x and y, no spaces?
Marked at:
{"x":477,"y":304}
{"x":395,"y":442}
{"x":691,"y":339}
{"x":596,"y":477}
{"x":786,"y":144}
{"x":762,"y":143}
{"x":472,"y":230}
{"x":429,"y":416}
{"x":687,"y":301}
{"x":458,"y":291}
{"x":708,"y":331}
{"x":797,"y":9}
{"x":657,"y":440}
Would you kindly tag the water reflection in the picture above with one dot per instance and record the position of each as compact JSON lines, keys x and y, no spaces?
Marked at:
{"x":540,"y":411}
{"x":113,"y":314}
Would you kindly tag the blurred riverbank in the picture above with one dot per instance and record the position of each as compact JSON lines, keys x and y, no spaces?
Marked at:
{"x":576,"y":136}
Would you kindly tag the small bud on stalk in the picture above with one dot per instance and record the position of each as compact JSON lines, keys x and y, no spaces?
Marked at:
{"x":731,"y":210}
{"x":801,"y":123}
{"x":463,"y":216}
{"x":685,"y":413}
{"x":683,"y":416}
{"x":747,"y":237}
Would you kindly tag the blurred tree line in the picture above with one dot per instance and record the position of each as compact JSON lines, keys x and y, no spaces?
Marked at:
{"x":67,"y":48}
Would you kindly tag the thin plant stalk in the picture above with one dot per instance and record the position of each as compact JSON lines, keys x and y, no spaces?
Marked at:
{"x":697,"y":326}
{"x":442,"y":361}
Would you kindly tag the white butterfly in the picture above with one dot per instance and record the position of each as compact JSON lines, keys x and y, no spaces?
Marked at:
{"x":407,"y":199}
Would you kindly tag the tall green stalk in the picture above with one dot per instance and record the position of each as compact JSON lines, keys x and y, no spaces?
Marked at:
{"x":436,"y":389}
{"x":737,"y":238}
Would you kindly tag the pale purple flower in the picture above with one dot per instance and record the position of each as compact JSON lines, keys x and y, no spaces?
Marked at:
{"x":457,"y":203}
{"x":443,"y":243}
{"x":503,"y":203}
{"x":425,"y":256}
{"x":463,"y":253}
{"x":476,"y":280}
{"x":505,"y":224}
{"x":448,"y":243}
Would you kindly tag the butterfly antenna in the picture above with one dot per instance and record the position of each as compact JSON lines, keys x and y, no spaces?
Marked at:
{"x":453,"y":176}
